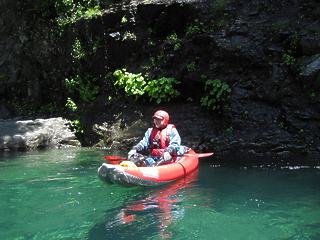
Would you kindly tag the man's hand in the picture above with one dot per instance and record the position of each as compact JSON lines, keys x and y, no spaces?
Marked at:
{"x":131,"y":153}
{"x":167,"y":156}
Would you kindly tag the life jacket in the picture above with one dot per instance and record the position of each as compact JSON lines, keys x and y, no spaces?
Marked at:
{"x":163,"y":136}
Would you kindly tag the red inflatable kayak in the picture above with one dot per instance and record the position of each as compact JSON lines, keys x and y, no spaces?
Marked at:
{"x":129,"y":176}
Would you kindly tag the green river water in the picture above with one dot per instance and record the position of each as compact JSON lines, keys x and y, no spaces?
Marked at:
{"x":55,"y":194}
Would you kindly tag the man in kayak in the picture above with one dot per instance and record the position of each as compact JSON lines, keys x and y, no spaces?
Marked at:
{"x":163,"y":140}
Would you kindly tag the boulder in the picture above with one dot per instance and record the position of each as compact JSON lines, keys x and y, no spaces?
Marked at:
{"x":19,"y":134}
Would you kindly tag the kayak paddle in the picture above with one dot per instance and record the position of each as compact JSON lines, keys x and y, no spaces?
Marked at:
{"x":199,"y":155}
{"x":116,"y":160}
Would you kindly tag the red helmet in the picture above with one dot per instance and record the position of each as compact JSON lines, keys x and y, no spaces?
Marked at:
{"x":162,"y":115}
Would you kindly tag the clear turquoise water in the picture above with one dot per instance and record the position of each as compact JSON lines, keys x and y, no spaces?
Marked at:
{"x":55,"y":194}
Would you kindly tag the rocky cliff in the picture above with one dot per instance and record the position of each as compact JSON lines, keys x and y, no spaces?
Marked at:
{"x":267,"y":52}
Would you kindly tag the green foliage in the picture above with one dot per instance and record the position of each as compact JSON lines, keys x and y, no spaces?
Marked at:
{"x":146,"y":67}
{"x":83,"y":86}
{"x":78,"y":50}
{"x":151,"y":43}
{"x":69,"y":10}
{"x":230,"y":130}
{"x":129,"y":35}
{"x":245,"y":114}
{"x":77,"y":125}
{"x":81,"y":49}
{"x":71,"y":105}
{"x":280,"y":124}
{"x":287,"y":58}
{"x":24,"y":106}
{"x":133,"y":84}
{"x":137,"y":86}
{"x":86,"y":90}
{"x":162,"y":89}
{"x":308,"y":146}
{"x":177,"y":46}
{"x":173,"y":37}
{"x":191,"y":66}
{"x":195,"y":28}
{"x":219,"y":93}
{"x":160,"y":56}
{"x":124,"y":19}
{"x":175,"y":40}
{"x":49,"y":108}
{"x":312,"y":94}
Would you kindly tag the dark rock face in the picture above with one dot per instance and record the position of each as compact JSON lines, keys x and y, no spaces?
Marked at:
{"x":266,"y":51}
{"x":272,"y":107}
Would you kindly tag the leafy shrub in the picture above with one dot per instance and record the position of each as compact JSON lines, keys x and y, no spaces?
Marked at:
{"x":136,"y":85}
{"x":218,"y":94}
{"x":133,"y":84}
{"x":162,"y":89}
{"x":83,"y":86}
{"x":68,"y":10}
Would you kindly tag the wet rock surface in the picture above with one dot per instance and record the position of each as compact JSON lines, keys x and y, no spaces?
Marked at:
{"x":22,"y":134}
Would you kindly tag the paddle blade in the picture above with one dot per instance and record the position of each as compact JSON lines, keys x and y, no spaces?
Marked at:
{"x":201,"y":155}
{"x":114,"y":159}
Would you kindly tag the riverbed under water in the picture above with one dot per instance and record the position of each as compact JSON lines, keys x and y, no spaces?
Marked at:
{"x":55,"y":194}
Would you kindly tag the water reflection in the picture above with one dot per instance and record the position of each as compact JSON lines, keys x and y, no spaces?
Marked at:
{"x":153,"y":214}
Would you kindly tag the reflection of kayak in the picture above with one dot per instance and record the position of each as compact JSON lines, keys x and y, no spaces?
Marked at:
{"x":130,"y":176}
